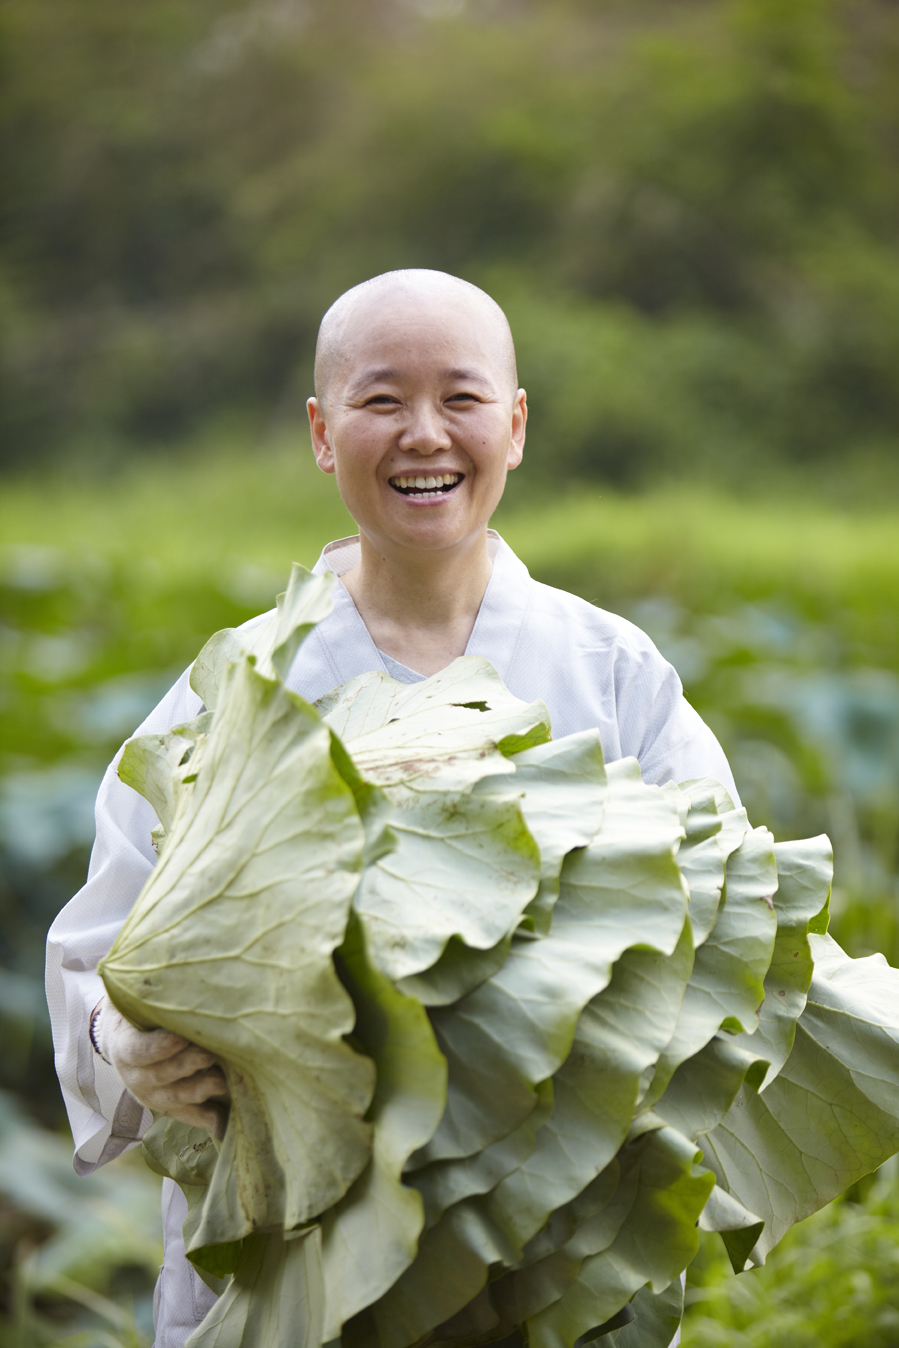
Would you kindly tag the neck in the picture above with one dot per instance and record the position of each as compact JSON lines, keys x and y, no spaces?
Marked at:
{"x":420,"y":608}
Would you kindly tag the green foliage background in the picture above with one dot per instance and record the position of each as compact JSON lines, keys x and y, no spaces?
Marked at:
{"x":782,"y":618}
{"x":690,"y":213}
{"x":689,"y":210}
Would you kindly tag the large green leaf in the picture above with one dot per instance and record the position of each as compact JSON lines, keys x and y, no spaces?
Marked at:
{"x":701,"y":856}
{"x":565,"y":1220}
{"x":444,"y":1183}
{"x":517,"y":965}
{"x":738,"y":1228}
{"x":188,"y":1156}
{"x":564,"y":784}
{"x":371,"y":1235}
{"x":625,"y":890}
{"x":619,"y":1035}
{"x":460,"y":969}
{"x":156,"y":765}
{"x":275,"y":1297}
{"x":522,"y":1294}
{"x":628,"y":878}
{"x":704,"y":1087}
{"x":831,"y":1115}
{"x":726,"y":988}
{"x":447,"y":731}
{"x":641,"y":1230}
{"x":273,"y":642}
{"x":617,"y":1038}
{"x":449,"y":1280}
{"x":517,"y":1028}
{"x":480,"y":1318}
{"x":451,"y":1268}
{"x":373,"y":700}
{"x":463,"y":864}
{"x":653,"y":1242}
{"x":656,"y":1319}
{"x":231,"y":944}
{"x":804,"y":874}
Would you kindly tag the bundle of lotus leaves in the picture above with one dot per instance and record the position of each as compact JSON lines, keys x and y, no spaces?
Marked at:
{"x":500,"y":1024}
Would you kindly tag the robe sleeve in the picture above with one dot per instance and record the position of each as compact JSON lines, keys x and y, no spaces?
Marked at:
{"x":104,"y":1118}
{"x":669,"y":737}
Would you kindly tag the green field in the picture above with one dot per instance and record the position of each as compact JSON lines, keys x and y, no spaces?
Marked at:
{"x":783,"y":619}
{"x":688,"y":212}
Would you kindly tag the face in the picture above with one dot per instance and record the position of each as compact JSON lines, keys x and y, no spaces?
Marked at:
{"x":419,"y":424}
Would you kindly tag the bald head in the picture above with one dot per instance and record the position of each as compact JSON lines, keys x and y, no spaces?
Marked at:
{"x":404,"y":297}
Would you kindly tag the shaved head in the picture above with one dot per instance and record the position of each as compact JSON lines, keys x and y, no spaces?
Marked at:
{"x":416,"y":291}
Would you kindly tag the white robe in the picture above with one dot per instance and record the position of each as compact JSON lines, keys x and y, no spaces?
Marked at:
{"x":590,"y":667}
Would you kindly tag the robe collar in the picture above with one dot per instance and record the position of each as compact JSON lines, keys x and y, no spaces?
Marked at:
{"x":347,"y":644}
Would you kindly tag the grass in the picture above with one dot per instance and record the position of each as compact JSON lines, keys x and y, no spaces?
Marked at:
{"x":833,"y":1281}
{"x":271,"y":507}
{"x":108,"y":587}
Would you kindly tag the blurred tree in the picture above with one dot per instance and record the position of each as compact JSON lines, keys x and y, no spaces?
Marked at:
{"x":691,"y":210}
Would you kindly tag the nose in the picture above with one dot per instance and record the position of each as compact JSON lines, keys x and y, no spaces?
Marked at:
{"x":425,"y":431}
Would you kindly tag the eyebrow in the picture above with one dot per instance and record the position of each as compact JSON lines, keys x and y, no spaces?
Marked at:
{"x":383,"y":374}
{"x":467,"y":376}
{"x":374,"y":376}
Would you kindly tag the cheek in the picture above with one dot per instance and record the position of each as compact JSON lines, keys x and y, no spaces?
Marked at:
{"x":358,"y":456}
{"x":353,"y":481}
{"x":490,"y":451}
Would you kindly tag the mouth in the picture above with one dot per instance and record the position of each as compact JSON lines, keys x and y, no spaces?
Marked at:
{"x":426,"y":485}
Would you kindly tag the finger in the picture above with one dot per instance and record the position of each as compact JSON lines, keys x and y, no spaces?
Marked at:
{"x":136,"y":1048}
{"x":213,"y":1117}
{"x":194,"y":1090}
{"x":184,"y":1064}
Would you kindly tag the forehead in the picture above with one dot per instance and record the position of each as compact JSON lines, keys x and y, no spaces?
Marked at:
{"x":438,"y":330}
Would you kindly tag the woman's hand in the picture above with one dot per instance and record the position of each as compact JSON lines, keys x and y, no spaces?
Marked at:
{"x":163,"y":1071}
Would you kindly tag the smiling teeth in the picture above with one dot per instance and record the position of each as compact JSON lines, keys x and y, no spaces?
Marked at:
{"x":427,"y":484}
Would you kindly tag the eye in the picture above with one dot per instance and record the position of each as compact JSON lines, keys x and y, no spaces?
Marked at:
{"x":462,"y":398}
{"x":380,"y":400}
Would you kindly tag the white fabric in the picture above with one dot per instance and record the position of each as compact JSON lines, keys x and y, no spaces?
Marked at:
{"x":590,"y":667}
{"x":402,"y":673}
{"x":181,"y":1300}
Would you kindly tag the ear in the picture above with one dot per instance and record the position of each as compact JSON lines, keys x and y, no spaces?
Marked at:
{"x":321,"y":441}
{"x":519,"y":423}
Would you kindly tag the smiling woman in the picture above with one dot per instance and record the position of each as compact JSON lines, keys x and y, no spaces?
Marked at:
{"x":418,"y":413}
